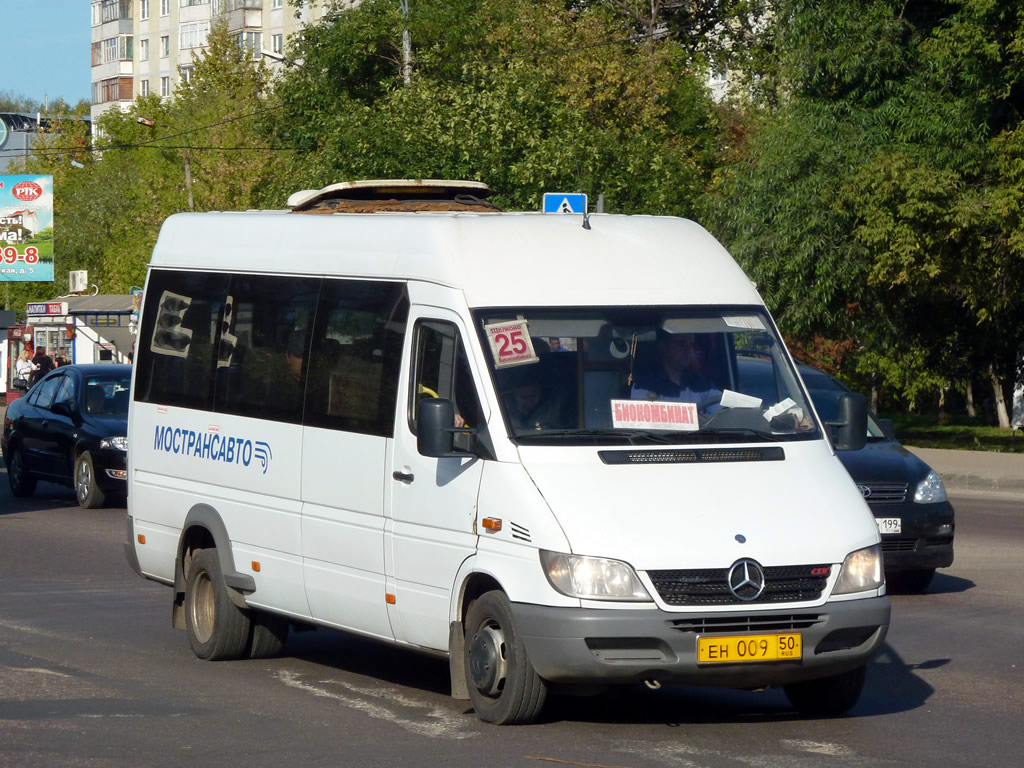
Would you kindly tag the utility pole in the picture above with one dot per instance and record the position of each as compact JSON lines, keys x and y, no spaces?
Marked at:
{"x":406,"y":44}
{"x":188,"y":166}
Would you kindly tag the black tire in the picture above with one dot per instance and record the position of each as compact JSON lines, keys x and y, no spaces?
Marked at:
{"x":269,"y":635}
{"x":503,"y":685}
{"x":828,"y":695}
{"x":217,"y":628}
{"x":911,"y":581}
{"x":87,"y":489}
{"x":21,"y":480}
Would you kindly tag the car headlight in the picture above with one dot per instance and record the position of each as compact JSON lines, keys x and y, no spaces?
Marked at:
{"x":930,"y":489}
{"x":117,"y":443}
{"x":592,"y":578}
{"x":861,"y":571}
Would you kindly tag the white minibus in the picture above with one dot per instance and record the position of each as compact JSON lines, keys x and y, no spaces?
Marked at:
{"x":530,"y":443}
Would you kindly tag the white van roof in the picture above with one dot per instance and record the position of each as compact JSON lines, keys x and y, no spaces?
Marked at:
{"x":496,"y":259}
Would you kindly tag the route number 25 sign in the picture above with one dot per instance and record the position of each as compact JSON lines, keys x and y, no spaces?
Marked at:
{"x":510,"y":343}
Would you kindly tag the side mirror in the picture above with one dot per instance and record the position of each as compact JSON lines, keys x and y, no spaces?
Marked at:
{"x":852,"y":422}
{"x":62,"y":408}
{"x":888,"y":429}
{"x":435,"y":428}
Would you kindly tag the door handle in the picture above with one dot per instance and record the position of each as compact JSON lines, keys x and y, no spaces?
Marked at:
{"x":405,"y":477}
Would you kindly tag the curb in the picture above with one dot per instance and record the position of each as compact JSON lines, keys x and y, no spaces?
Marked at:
{"x":976,"y":471}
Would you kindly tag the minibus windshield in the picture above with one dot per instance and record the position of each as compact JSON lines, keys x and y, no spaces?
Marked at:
{"x":643,"y":375}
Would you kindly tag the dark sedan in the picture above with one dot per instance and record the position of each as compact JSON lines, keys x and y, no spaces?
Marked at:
{"x":906,"y":495}
{"x":71,"y":428}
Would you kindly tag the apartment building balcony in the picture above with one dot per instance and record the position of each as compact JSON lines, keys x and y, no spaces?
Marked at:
{"x":111,"y":18}
{"x":241,"y":14}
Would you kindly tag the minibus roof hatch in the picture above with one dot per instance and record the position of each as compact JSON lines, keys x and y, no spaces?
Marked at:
{"x":388,"y":195}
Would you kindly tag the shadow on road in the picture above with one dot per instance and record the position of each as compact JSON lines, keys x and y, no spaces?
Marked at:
{"x":372,"y":659}
{"x":942,"y":583}
{"x":46,"y":496}
{"x":945,"y":583}
{"x":892,"y":686}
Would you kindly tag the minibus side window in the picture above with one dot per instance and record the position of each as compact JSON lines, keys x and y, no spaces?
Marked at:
{"x":442,"y":370}
{"x":356,"y":356}
{"x":175,"y":360}
{"x":263,"y":346}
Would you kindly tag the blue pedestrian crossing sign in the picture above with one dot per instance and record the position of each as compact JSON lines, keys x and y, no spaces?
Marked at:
{"x":561,"y":202}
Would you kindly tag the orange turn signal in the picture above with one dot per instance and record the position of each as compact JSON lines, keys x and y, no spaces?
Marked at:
{"x":142,"y":538}
{"x":492,"y":523}
{"x":389,"y":598}
{"x":256,"y":566}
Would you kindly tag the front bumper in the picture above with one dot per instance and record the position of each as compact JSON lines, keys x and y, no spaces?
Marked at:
{"x":926,"y":538}
{"x":581,"y":645}
{"x":105,"y":460}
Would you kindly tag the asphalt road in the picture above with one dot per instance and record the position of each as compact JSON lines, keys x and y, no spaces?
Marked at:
{"x":91,"y":674}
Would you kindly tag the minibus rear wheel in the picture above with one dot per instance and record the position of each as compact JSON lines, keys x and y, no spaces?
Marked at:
{"x":503,"y":685}
{"x":217,"y":628}
{"x":828,"y":695}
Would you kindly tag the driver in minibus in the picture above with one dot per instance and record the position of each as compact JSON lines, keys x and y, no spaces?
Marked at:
{"x":679,"y":375}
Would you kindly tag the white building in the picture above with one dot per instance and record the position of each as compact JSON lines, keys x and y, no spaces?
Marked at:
{"x":149,"y":46}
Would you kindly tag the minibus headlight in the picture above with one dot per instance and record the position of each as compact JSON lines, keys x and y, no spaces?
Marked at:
{"x":117,"y":443}
{"x":861,"y":571}
{"x":592,"y":578}
{"x":930,"y":490}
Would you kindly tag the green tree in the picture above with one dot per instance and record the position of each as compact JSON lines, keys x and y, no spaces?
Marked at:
{"x":66,"y":139}
{"x":109,"y":212}
{"x":878,"y":200}
{"x":528,"y":96}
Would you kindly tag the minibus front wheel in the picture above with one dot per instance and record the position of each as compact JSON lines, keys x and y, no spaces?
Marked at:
{"x":217,"y":628}
{"x":503,"y":685}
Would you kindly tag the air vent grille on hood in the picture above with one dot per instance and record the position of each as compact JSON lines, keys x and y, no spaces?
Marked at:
{"x":698,"y":456}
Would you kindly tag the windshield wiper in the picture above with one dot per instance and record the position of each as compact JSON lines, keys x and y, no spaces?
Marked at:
{"x":624,"y":434}
{"x":747,"y":435}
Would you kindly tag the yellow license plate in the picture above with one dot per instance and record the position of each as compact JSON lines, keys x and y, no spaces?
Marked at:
{"x":739,"y":648}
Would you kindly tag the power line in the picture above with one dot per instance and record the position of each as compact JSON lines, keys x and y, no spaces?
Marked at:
{"x":153,"y":143}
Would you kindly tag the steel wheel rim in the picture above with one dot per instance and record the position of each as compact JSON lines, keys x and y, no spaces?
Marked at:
{"x":84,"y":480}
{"x":201,"y":606}
{"x":488,"y":663}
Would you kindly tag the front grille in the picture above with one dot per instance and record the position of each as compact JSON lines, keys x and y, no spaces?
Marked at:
{"x":883,"y":493}
{"x":899,"y":545}
{"x":709,"y":586}
{"x":732,"y":624}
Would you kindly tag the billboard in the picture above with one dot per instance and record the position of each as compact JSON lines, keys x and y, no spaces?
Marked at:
{"x":26,"y":228}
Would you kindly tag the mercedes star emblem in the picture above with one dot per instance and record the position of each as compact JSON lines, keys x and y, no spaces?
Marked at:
{"x":746,"y":580}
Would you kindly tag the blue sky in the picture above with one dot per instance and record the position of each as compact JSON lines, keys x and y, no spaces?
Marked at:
{"x":46,"y":53}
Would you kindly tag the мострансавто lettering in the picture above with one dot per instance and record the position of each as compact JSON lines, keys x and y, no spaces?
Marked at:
{"x":211,"y":446}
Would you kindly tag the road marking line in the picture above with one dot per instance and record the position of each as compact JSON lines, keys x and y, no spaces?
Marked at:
{"x":448,"y":727}
{"x":818,"y":747}
{"x":39,"y":670}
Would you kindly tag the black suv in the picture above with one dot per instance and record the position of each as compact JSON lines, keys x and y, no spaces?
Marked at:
{"x":905,"y":495}
{"x":71,"y":428}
